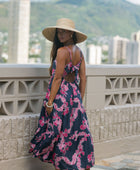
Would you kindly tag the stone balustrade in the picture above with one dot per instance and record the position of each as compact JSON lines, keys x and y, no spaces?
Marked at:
{"x":22,"y":88}
{"x":112,"y":103}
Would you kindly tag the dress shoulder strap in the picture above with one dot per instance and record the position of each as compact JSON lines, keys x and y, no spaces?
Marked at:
{"x":81,"y":55}
{"x":70,"y":51}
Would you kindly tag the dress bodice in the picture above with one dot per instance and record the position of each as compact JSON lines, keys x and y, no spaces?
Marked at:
{"x":69,"y":68}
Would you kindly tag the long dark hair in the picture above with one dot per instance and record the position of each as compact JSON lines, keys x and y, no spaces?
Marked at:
{"x":57,"y":44}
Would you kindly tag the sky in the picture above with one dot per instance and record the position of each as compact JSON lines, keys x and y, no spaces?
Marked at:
{"x":30,"y":0}
{"x":134,"y":1}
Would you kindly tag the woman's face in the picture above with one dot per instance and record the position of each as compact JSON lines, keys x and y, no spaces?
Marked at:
{"x":64,"y":35}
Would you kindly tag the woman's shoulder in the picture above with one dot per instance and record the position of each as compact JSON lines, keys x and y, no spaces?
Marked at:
{"x":79,"y":52}
{"x":79,"y":49}
{"x":61,"y":53}
{"x":62,"y":49}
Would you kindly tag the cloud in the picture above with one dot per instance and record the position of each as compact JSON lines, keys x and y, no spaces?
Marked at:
{"x":134,"y":1}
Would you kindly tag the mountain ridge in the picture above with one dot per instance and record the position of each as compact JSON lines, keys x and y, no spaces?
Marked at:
{"x":95,"y":18}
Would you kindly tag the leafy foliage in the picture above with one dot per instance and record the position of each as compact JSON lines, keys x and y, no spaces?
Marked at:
{"x":94,"y":17}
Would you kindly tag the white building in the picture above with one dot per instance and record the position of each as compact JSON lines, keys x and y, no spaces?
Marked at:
{"x":135,"y":48}
{"x":94,"y":54}
{"x":19,"y":20}
{"x":0,"y":51}
{"x":136,"y":36}
{"x":46,"y":47}
{"x":133,"y":52}
{"x":117,"y":50}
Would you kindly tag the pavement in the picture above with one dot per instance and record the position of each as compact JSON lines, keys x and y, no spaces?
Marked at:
{"x":128,"y":161}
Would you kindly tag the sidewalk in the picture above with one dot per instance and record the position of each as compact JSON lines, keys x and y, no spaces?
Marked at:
{"x":129,"y":161}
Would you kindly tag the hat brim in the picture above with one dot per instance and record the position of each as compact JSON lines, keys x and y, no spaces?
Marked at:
{"x":49,"y":33}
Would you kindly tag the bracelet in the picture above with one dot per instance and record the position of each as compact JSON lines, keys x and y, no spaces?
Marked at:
{"x":48,"y":105}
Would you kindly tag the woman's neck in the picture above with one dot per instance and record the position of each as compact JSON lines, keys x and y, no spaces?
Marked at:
{"x":69,"y":43}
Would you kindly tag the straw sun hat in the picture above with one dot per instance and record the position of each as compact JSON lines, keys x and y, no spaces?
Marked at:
{"x":66,"y":24}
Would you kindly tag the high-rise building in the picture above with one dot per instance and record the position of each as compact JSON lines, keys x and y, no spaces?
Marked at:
{"x":0,"y":52}
{"x":136,"y":36}
{"x":135,"y":47}
{"x":139,"y":54}
{"x":94,"y":54}
{"x":133,"y":52}
{"x":117,"y":50}
{"x":18,"y":40}
{"x":46,"y":47}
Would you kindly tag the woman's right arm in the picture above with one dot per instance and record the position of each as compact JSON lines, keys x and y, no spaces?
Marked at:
{"x":82,"y":75}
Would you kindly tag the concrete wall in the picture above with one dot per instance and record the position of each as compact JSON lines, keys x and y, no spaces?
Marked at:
{"x":112,"y":103}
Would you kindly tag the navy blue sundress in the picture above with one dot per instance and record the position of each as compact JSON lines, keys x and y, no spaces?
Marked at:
{"x":63,"y":138}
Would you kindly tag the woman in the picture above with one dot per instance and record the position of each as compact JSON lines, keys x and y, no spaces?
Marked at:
{"x":63,"y":137}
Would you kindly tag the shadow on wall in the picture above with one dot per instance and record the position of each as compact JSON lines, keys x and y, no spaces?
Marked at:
{"x":27,"y":163}
{"x":36,"y":164}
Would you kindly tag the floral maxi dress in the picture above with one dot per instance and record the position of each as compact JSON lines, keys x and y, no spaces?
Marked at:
{"x":63,"y":138}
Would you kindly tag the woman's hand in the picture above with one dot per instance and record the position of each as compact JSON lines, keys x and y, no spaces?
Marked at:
{"x":48,"y":109}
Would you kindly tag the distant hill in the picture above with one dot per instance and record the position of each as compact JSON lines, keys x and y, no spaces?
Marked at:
{"x":94,"y":17}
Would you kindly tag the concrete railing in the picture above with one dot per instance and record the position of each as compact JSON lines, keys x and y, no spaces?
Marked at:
{"x":112,"y":103}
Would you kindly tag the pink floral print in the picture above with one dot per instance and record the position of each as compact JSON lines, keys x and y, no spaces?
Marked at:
{"x":63,"y":138}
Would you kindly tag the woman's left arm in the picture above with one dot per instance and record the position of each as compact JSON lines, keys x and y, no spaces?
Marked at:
{"x":60,"y":59}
